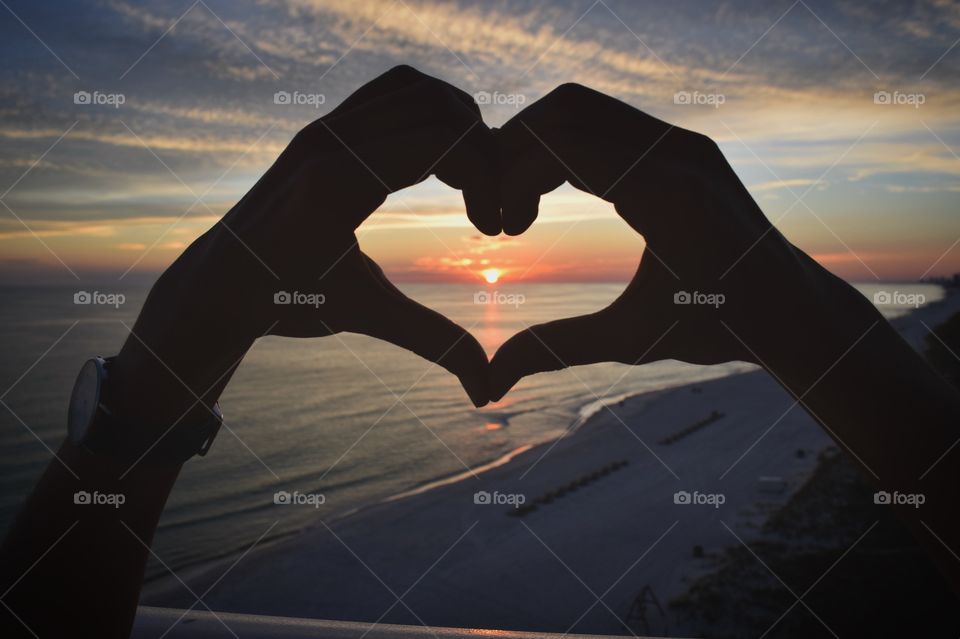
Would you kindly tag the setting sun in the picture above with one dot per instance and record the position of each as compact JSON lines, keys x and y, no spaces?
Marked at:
{"x":491,"y":275}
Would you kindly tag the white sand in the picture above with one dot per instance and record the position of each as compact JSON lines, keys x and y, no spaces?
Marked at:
{"x":457,"y":563}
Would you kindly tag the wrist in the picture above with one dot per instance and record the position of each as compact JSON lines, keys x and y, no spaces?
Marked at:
{"x":176,"y":361}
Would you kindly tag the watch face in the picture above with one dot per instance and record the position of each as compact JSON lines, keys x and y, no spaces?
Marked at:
{"x":84,"y":401}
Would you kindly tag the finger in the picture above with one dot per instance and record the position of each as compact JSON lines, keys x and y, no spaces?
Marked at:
{"x":541,"y":156}
{"x":395,"y":318}
{"x":483,"y":206}
{"x":388,"y":82}
{"x":581,"y":136}
{"x":525,"y":174}
{"x":394,"y":80}
{"x":606,"y":119}
{"x":405,"y":157}
{"x":438,"y":124}
{"x":427,"y":127}
{"x":574,"y":341}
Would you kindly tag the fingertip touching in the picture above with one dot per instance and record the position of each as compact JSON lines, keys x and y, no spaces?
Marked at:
{"x":483,"y":208}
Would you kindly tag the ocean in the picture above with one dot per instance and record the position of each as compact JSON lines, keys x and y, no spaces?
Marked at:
{"x":306,"y":416}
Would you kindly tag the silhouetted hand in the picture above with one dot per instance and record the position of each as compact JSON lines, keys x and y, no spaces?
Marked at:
{"x":818,"y":336}
{"x":285,"y":259}
{"x":714,"y":270}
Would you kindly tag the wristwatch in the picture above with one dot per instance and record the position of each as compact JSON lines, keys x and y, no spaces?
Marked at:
{"x":91,"y":425}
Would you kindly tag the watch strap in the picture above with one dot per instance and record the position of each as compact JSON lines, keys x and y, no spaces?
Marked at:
{"x":132,"y":443}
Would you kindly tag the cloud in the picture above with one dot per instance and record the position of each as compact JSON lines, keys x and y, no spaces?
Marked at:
{"x":11,"y":229}
{"x":781,"y":184}
{"x":794,"y":94}
{"x":209,"y":143}
{"x":926,"y":188}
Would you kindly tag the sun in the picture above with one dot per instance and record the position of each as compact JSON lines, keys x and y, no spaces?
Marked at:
{"x":492,"y":275}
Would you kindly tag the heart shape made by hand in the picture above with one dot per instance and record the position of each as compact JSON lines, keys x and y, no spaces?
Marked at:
{"x":295,"y":231}
{"x":706,"y":238}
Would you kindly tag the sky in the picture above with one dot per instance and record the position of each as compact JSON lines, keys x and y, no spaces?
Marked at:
{"x":841,"y":118}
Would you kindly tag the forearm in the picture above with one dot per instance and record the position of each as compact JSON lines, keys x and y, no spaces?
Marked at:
{"x":186,"y":342}
{"x":884,"y":405}
{"x":76,"y":554}
{"x":69,"y":562}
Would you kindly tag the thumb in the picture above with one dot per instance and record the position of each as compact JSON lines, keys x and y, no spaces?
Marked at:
{"x":586,"y":339}
{"x":396,"y":318}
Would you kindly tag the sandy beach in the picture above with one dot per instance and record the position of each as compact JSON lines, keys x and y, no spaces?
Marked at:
{"x":632,"y":499}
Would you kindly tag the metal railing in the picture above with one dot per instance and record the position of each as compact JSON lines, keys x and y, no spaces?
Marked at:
{"x":172,"y":623}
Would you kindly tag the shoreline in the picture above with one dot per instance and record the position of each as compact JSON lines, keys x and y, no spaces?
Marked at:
{"x":155,"y":585}
{"x":379,"y":527}
{"x":584,"y":414}
{"x":907,"y":325}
